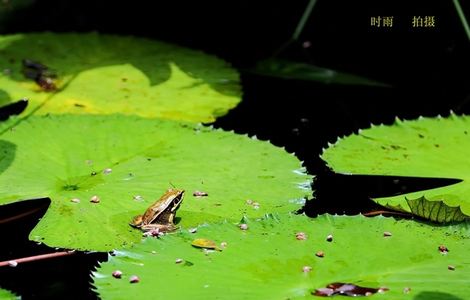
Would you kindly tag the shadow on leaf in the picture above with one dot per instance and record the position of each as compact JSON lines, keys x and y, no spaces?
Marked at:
{"x":7,"y":154}
{"x":435,"y":296}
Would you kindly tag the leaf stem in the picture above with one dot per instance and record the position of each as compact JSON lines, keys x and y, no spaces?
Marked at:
{"x":298,"y":29}
{"x":383,"y":212}
{"x":303,"y":20}
{"x":459,"y":10}
{"x":35,"y":258}
{"x":21,"y":215}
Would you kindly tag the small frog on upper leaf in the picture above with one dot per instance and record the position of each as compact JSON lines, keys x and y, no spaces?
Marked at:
{"x":160,"y":215}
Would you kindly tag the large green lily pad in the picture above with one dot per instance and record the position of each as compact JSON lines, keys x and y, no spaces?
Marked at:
{"x":67,"y":157}
{"x":266,"y":261}
{"x":427,"y":147}
{"x":104,"y":74}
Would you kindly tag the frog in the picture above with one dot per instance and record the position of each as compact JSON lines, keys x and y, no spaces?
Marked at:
{"x":160,"y":216}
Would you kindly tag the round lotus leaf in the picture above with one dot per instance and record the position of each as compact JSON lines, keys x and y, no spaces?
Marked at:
{"x":101,"y":171}
{"x":105,"y":74}
{"x":427,"y":147}
{"x":292,"y":256}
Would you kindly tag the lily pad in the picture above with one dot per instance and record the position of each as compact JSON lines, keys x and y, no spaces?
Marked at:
{"x":105,"y":74}
{"x":302,"y":71}
{"x":268,"y":261}
{"x":427,"y":147}
{"x":6,"y":294}
{"x":128,"y":162}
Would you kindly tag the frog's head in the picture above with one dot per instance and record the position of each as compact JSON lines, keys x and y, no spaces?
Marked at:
{"x":176,"y":197}
{"x":136,"y":221}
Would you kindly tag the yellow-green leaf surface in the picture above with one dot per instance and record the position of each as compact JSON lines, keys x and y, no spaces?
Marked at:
{"x":427,"y":147}
{"x":104,"y":74}
{"x":268,"y":261}
{"x":129,"y":162}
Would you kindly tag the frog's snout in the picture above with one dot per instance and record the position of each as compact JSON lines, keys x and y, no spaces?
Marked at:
{"x":136,"y":221}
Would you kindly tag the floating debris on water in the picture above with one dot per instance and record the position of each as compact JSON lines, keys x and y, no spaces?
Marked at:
{"x":300,"y":236}
{"x":199,"y":194}
{"x":443,"y":249}
{"x":306,"y":269}
{"x":205,"y":243}
{"x":117,"y":274}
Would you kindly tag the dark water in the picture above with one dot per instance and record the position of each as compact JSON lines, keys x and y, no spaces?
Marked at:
{"x":56,"y":278}
{"x":423,"y":68}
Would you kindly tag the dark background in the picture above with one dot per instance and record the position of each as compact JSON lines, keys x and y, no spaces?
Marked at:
{"x":427,"y":70}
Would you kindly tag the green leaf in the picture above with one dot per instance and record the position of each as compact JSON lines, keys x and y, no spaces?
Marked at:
{"x":301,"y":71}
{"x":435,"y":211}
{"x":427,"y":147}
{"x":104,"y":74}
{"x":5,"y":294}
{"x":67,"y":157}
{"x":266,"y":261}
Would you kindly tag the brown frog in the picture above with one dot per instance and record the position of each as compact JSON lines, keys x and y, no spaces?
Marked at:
{"x":160,"y":215}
